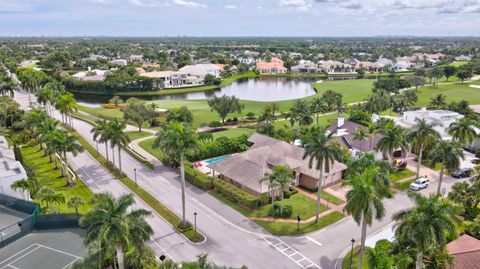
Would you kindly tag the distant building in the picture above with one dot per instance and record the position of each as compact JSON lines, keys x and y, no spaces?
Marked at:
{"x":441,"y":118}
{"x":248,"y":60}
{"x":135,"y":58}
{"x":201,"y":70}
{"x":95,"y":74}
{"x":305,"y":67}
{"x":368,"y":66}
{"x":11,"y":170}
{"x":384,"y":62}
{"x":462,"y":58}
{"x":336,"y":67}
{"x":96,"y":57}
{"x":174,"y":79}
{"x":247,"y":169}
{"x":465,"y":251}
{"x":275,"y":66}
{"x":121,"y":62}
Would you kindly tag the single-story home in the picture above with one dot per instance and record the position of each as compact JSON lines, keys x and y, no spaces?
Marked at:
{"x":275,"y":66}
{"x":201,"y":70}
{"x":247,"y":169}
{"x":336,"y":67}
{"x":11,"y":170}
{"x":465,"y":251}
{"x":345,"y":131}
{"x":305,"y":67}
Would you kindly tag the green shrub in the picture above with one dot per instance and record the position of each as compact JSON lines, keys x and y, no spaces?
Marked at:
{"x":236,"y":194}
{"x":197,"y":178}
{"x":215,"y":124}
{"x":285,"y":213}
{"x":221,"y":146}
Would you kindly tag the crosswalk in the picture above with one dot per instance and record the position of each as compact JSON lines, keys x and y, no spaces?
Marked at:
{"x":291,"y":253}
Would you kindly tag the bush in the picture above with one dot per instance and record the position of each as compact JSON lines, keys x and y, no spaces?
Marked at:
{"x":251,"y":116}
{"x":221,"y":146}
{"x":477,"y":154}
{"x":215,"y":124}
{"x":285,"y":213}
{"x":236,"y":194}
{"x":197,"y":178}
{"x":235,"y":119}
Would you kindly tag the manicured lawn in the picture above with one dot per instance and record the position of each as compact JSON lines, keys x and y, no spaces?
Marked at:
{"x":403,"y":185}
{"x":352,"y":90}
{"x":346,"y":260}
{"x":394,"y":177}
{"x":233,"y":132}
{"x":428,"y":164}
{"x":289,"y":229}
{"x":453,"y":92}
{"x":301,"y":204}
{"x":134,"y":135}
{"x":46,"y":175}
{"x":327,"y":196}
{"x":148,"y":146}
{"x":102,"y":112}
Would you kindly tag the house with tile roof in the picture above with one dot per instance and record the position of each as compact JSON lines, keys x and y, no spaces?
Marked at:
{"x":247,"y":169}
{"x":465,"y":251}
{"x":336,"y":67}
{"x":274,"y":66}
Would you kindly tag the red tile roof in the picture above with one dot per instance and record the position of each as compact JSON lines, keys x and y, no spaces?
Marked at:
{"x":466,"y":252}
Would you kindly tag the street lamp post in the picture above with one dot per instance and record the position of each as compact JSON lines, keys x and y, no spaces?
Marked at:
{"x":135,"y":173}
{"x":195,"y":222}
{"x":351,"y":253}
{"x":298,"y":222}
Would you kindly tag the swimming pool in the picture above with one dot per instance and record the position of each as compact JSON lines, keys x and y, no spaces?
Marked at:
{"x":216,"y":159}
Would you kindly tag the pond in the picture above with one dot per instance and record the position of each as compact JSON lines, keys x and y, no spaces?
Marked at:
{"x":253,"y":89}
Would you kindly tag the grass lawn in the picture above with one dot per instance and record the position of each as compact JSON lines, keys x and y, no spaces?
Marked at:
{"x":403,"y":185}
{"x":428,"y":164}
{"x":453,"y":92}
{"x":401,"y":175}
{"x":102,"y":112}
{"x":288,"y":229}
{"x":301,"y":204}
{"x":147,"y":145}
{"x":327,"y":196}
{"x":46,"y":175}
{"x":352,"y":90}
{"x":346,"y":260}
{"x":134,"y":135}
{"x":233,"y":132}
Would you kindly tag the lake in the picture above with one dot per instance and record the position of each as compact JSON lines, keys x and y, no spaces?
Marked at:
{"x":253,"y":89}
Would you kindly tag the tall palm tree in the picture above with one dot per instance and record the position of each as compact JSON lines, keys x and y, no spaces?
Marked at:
{"x":75,"y":202}
{"x":426,"y":224}
{"x":44,"y":130}
{"x":379,"y":169}
{"x":318,"y":106}
{"x":118,"y":138}
{"x":181,"y":114}
{"x":364,"y":203}
{"x":282,"y":175}
{"x":360,"y":135}
{"x":178,"y":140}
{"x":422,"y":135}
{"x":322,"y":151}
{"x":113,"y":221}
{"x":272,"y":186}
{"x":393,"y":139}
{"x":66,"y":104}
{"x":438,"y":101}
{"x":448,"y":153}
{"x":101,"y":133}
{"x":48,"y":195}
{"x":463,"y":131}
{"x":67,"y":144}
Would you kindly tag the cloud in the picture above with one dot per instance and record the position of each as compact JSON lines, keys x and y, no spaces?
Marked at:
{"x":230,"y":7}
{"x":136,"y":3}
{"x":187,"y":3}
{"x":302,"y":5}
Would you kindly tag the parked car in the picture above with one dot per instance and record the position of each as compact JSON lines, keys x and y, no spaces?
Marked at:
{"x":419,"y":183}
{"x":475,"y":161}
{"x":462,"y":173}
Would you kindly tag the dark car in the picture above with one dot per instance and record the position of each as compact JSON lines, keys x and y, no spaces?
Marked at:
{"x":462,"y":173}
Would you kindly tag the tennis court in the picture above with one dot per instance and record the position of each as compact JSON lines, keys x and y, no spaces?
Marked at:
{"x":53,"y":249}
{"x":9,"y":219}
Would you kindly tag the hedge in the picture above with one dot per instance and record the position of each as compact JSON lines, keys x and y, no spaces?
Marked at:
{"x":228,"y":190}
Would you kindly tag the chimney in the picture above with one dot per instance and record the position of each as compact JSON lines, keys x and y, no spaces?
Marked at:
{"x":340,"y":121}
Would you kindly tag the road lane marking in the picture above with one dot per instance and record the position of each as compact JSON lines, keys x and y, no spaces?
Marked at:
{"x":313,"y":240}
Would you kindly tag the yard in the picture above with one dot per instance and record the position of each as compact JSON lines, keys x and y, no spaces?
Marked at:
{"x":233,"y":132}
{"x":394,"y":177}
{"x":454,"y":92}
{"x":134,"y":135}
{"x":46,"y":175}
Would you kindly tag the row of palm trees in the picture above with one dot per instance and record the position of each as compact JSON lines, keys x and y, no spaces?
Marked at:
{"x":111,"y":132}
{"x":52,"y":140}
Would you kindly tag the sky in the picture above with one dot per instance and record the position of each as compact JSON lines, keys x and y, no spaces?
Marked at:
{"x":239,"y":17}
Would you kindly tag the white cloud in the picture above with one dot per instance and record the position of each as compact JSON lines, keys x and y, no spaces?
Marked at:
{"x":187,"y":3}
{"x":230,"y":7}
{"x":302,"y":5}
{"x":137,"y":3}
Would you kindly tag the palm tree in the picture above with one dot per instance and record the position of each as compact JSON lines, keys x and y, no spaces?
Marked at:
{"x":438,"y":101}
{"x":112,"y":221}
{"x":181,"y":114}
{"x":44,"y":130}
{"x":282,"y":175}
{"x":393,"y":139}
{"x":426,"y":224}
{"x":66,"y":104}
{"x":101,"y":133}
{"x":448,"y":153}
{"x":272,"y":186}
{"x":422,"y":135}
{"x":463,"y":131}
{"x":118,"y":138}
{"x":318,"y":106}
{"x":322,"y":150}
{"x":75,"y":202}
{"x":25,"y":185}
{"x":364,"y":202}
{"x":380,"y":170}
{"x":67,"y":143}
{"x":178,"y":140}
{"x":360,"y":135}
{"x":48,"y":195}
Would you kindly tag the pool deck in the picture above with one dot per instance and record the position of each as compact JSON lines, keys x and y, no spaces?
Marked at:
{"x":203,"y":164}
